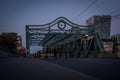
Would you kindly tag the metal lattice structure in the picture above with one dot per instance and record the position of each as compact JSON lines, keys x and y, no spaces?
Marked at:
{"x":64,"y":38}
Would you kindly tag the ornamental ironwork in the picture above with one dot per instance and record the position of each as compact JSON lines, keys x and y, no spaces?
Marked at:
{"x":70,"y":38}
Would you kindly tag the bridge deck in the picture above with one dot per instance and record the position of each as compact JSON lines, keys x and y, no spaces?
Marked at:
{"x":36,"y":69}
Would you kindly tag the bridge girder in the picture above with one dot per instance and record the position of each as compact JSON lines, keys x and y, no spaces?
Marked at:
{"x":44,"y":35}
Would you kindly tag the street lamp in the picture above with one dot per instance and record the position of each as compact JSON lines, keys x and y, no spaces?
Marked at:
{"x":86,"y":35}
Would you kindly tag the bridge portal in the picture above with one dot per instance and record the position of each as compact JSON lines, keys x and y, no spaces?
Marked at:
{"x":64,"y":39}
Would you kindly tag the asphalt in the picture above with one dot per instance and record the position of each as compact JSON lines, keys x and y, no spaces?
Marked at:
{"x":36,"y":69}
{"x":104,"y":69}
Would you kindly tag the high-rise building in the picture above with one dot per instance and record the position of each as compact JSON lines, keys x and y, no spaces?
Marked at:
{"x":102,"y":25}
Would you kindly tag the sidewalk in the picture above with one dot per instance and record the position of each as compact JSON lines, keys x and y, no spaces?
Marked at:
{"x":35,"y":69}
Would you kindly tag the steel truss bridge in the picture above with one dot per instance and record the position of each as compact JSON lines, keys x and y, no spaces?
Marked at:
{"x":64,"y":39}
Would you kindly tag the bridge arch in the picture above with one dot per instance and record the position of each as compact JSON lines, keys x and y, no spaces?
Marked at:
{"x":76,"y":40}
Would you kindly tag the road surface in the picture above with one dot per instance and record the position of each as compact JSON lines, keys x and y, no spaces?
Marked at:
{"x":16,"y":68}
{"x":105,"y":69}
{"x":36,"y":69}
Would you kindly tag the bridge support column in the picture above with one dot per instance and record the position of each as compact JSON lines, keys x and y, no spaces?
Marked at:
{"x":27,"y":41}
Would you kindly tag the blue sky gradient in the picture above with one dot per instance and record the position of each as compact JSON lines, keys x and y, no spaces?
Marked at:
{"x":15,"y":14}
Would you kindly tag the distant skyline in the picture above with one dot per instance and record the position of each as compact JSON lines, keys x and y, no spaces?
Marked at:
{"x":15,"y":14}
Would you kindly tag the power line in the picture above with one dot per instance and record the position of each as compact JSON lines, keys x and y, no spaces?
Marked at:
{"x":114,"y":19}
{"x":117,"y":15}
{"x":115,"y":11}
{"x":85,"y":10}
